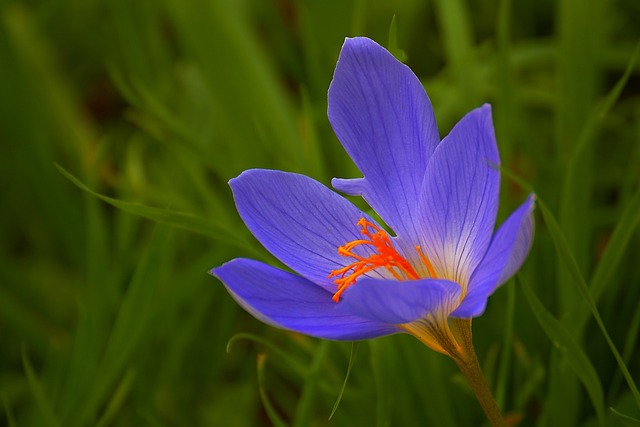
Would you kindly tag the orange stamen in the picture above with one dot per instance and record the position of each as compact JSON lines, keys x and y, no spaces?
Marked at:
{"x":386,"y":256}
{"x":426,"y":262}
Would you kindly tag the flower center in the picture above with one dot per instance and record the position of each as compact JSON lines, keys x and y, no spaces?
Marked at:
{"x":385,"y":256}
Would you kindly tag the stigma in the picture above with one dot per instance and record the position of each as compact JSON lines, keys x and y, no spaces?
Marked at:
{"x":385,"y":256}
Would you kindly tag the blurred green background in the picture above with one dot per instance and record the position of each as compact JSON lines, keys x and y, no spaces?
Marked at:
{"x":107,"y":314}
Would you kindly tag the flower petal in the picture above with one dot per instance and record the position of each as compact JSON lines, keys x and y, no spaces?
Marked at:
{"x":291,"y":302}
{"x":460,"y":197}
{"x":508,"y":250}
{"x":298,"y":220}
{"x":394,"y":302}
{"x":382,"y":116}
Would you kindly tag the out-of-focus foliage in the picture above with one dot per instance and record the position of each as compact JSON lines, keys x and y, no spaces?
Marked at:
{"x":108,"y":317}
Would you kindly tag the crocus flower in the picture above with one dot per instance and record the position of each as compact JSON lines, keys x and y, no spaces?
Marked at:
{"x":437,"y":258}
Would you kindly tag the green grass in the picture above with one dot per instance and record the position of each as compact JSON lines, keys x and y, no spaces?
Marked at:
{"x":121,"y":123}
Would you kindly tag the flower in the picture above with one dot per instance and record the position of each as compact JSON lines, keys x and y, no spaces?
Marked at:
{"x":355,"y":280}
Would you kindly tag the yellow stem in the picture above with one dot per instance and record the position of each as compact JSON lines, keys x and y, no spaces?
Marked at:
{"x":453,"y":338}
{"x":467,"y":361}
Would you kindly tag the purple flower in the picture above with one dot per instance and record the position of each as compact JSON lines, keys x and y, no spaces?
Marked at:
{"x":439,"y":197}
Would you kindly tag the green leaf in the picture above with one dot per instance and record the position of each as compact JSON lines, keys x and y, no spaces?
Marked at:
{"x":187,"y":221}
{"x":570,"y":349}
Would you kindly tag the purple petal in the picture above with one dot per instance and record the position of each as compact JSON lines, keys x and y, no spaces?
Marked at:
{"x":508,"y":250}
{"x":384,"y":119}
{"x":460,"y":197}
{"x":298,"y":220}
{"x":395,"y":302}
{"x":291,"y":302}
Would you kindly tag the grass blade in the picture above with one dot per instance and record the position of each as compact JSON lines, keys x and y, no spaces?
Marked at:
{"x":628,"y":351}
{"x":562,"y":247}
{"x":573,"y":180}
{"x":381,"y":359}
{"x":187,"y":221}
{"x":625,"y":419}
{"x":618,"y":243}
{"x":274,"y":417}
{"x":11,"y":422}
{"x":505,"y":355}
{"x":305,"y":404}
{"x":596,"y":117}
{"x":296,"y":366}
{"x":565,"y":255}
{"x":129,"y":326}
{"x":352,"y":359}
{"x":393,"y":42}
{"x":42,"y":402}
{"x":457,"y":36}
{"x":570,"y":349}
{"x":117,"y":399}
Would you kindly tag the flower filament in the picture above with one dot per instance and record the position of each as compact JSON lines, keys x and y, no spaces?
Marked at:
{"x":385,"y":256}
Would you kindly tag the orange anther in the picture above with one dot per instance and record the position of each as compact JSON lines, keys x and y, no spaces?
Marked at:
{"x":386,"y":256}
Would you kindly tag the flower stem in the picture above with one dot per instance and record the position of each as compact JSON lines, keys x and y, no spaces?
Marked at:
{"x":467,"y":361}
